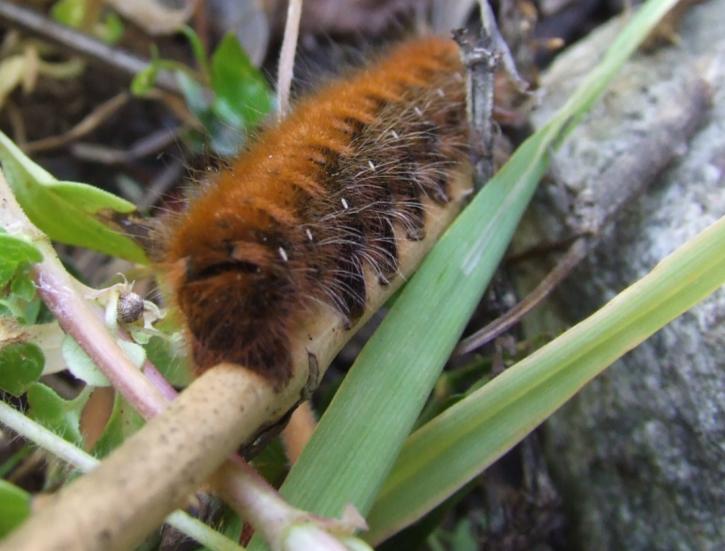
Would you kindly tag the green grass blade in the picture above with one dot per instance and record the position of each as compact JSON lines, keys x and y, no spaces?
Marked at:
{"x":460,"y":443}
{"x":363,"y":429}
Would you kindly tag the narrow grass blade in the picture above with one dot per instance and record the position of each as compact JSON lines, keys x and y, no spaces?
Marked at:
{"x":460,"y":443}
{"x":364,"y":427}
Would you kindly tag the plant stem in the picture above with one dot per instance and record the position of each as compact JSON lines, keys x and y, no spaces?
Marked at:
{"x":287,"y":55}
{"x":48,"y":440}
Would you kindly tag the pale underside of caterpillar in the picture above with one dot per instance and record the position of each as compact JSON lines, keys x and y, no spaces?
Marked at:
{"x":318,"y":204}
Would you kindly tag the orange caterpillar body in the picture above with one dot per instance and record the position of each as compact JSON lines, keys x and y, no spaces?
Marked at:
{"x":315,"y":205}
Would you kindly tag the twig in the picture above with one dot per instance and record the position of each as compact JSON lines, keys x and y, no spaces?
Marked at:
{"x":488,"y":21}
{"x":160,"y":185}
{"x":480,"y":61}
{"x":80,"y":44}
{"x":84,"y":462}
{"x":89,"y":123}
{"x":150,"y":473}
{"x":588,"y":214}
{"x":577,"y":251}
{"x":62,"y":296}
{"x":287,"y":56}
{"x":146,"y":146}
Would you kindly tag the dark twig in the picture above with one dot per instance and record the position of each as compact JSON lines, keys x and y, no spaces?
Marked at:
{"x":480,"y":61}
{"x":146,"y":146}
{"x":79,"y":43}
{"x":593,"y":211}
{"x":488,"y":21}
{"x":577,"y":252}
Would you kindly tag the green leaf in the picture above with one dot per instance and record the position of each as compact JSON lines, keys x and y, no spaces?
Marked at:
{"x":66,"y":211}
{"x":83,"y":368}
{"x":195,"y":94}
{"x":80,"y":365}
{"x":198,"y":49}
{"x":90,"y":199}
{"x":145,"y":80}
{"x":243,"y":96}
{"x":110,"y":30}
{"x":24,"y":288}
{"x":73,"y":13}
{"x":14,"y":507}
{"x":14,"y":250}
{"x":457,"y":445}
{"x":56,"y":414}
{"x":21,"y":300}
{"x":15,"y":254}
{"x":21,"y":364}
{"x":170,"y":363}
{"x":7,"y":271}
{"x":365,"y":426}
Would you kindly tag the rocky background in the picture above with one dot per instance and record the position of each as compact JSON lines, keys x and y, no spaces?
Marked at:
{"x":639,"y":455}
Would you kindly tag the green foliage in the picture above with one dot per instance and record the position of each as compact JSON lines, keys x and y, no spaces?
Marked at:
{"x":21,"y":364}
{"x":80,"y":365}
{"x":73,"y":13}
{"x":170,"y":362}
{"x":15,"y":251}
{"x":459,"y":444}
{"x":229,"y":95}
{"x":232,"y":526}
{"x":68,"y":212}
{"x":242,"y":96}
{"x":461,"y":538}
{"x":83,"y":368}
{"x":18,"y":298}
{"x":14,"y":507}
{"x":56,"y":414}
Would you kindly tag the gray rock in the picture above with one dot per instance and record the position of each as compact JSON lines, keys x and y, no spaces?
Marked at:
{"x":640,"y":452}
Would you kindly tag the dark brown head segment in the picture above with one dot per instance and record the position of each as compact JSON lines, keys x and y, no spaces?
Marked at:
{"x":234,"y":294}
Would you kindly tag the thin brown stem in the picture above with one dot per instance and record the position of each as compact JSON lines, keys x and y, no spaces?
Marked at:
{"x":573,"y":256}
{"x":480,"y":62}
{"x":149,"y":145}
{"x":87,"y":125}
{"x":150,"y":474}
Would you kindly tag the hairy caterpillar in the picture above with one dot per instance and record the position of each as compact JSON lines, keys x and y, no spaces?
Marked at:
{"x":317,"y":209}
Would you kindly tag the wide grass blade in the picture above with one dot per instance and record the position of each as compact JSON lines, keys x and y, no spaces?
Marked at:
{"x":460,"y":443}
{"x":363,"y":429}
